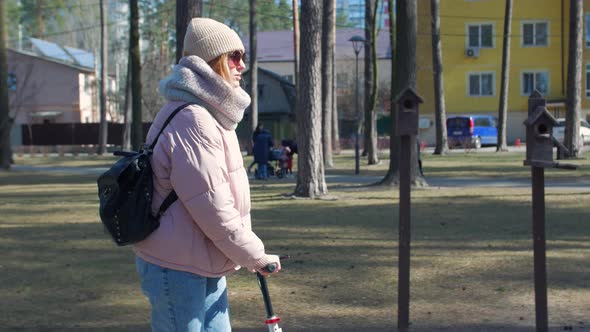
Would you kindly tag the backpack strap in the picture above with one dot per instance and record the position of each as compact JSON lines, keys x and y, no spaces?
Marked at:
{"x":171,"y":198}
{"x":178,"y":109}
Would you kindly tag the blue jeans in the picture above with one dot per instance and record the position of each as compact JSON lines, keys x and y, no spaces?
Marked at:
{"x":182,"y":301}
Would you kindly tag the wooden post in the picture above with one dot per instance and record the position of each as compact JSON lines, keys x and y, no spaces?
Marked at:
{"x":539,"y":155}
{"x":407,"y":129}
{"x":405,"y":218}
{"x":539,"y":248}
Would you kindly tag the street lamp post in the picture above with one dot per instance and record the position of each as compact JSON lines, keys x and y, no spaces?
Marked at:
{"x":357,"y":45}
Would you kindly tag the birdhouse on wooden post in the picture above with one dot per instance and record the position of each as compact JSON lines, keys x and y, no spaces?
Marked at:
{"x":539,"y":132}
{"x":407,"y":112}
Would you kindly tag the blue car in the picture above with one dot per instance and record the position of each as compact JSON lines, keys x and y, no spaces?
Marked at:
{"x":472,"y":131}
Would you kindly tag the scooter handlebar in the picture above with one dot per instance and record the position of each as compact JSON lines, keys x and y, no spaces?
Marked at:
{"x":270,"y":268}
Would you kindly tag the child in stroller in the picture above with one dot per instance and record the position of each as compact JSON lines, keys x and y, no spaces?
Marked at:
{"x":281,"y":158}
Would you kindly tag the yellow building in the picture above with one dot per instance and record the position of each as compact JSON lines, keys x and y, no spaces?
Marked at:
{"x":471,"y":37}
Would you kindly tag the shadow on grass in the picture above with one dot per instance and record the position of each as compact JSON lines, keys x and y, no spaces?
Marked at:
{"x":35,"y":178}
{"x":67,"y":275}
{"x":393,"y":328}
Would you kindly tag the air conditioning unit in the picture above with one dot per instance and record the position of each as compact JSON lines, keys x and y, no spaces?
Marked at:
{"x":472,"y":52}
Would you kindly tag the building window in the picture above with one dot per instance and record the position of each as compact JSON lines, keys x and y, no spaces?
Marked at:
{"x":480,"y":35}
{"x":481,"y":84}
{"x":588,"y":81}
{"x":535,"y":33}
{"x":535,"y":80}
{"x":11,"y":82}
{"x":587,"y":34}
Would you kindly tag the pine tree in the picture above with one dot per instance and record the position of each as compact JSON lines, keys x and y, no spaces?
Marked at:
{"x":403,"y":76}
{"x":442,"y":146}
{"x":310,"y":176}
{"x":135,"y":58}
{"x":328,"y":48}
{"x":371,"y":82}
{"x":5,"y":123}
{"x":503,"y":109}
{"x":574,"y":80}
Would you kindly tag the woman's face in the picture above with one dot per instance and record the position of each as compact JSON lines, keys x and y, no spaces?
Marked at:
{"x":235,"y":62}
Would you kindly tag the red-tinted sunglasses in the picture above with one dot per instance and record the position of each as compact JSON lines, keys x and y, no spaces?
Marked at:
{"x":236,"y":57}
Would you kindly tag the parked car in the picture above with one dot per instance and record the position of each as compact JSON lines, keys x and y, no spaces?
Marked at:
{"x":559,"y":130}
{"x":472,"y":131}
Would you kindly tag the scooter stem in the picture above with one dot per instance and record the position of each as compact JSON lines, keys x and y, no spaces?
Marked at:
{"x":265,"y":295}
{"x":272,"y":321}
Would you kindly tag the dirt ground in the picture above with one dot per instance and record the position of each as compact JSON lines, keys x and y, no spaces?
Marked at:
{"x":472,"y":261}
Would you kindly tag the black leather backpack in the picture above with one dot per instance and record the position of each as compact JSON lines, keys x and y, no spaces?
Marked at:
{"x":125,"y":192}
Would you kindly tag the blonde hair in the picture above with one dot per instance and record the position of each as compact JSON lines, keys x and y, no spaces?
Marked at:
{"x":219,"y":65}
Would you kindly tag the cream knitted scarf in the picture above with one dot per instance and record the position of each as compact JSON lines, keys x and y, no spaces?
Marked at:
{"x":193,"y":80}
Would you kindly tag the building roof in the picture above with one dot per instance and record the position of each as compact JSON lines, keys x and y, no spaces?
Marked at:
{"x":53,"y":60}
{"x":287,"y":87}
{"x":69,"y":56}
{"x":277,"y":46}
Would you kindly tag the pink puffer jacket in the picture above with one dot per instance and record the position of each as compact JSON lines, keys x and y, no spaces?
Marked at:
{"x":207,"y":231}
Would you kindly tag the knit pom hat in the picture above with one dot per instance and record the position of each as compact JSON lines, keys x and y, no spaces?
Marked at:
{"x":208,"y":39}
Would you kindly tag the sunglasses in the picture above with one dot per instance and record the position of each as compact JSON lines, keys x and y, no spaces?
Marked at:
{"x":236,"y":57}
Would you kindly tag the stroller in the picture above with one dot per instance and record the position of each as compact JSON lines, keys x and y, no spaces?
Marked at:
{"x":281,"y":162}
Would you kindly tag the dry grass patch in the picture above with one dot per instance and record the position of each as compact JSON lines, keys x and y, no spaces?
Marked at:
{"x":471,"y":259}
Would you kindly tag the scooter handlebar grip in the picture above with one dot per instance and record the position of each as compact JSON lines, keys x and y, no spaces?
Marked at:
{"x":270,"y":268}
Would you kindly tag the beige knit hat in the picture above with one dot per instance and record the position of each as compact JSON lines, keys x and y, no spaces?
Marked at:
{"x":208,"y":39}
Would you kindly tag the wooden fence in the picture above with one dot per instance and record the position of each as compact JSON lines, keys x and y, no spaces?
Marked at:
{"x":72,"y":134}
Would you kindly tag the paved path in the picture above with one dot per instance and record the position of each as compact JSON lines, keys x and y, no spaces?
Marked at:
{"x":581,"y":184}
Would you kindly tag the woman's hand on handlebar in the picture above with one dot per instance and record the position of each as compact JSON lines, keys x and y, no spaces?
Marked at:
{"x":271,"y":268}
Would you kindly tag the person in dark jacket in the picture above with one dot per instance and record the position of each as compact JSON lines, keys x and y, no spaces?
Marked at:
{"x":262,"y":145}
{"x":257,"y":131}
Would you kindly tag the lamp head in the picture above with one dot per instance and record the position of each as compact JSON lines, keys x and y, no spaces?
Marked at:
{"x":357,"y":43}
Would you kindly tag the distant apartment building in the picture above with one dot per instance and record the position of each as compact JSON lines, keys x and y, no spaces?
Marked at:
{"x":471,"y":36}
{"x":354,"y":10}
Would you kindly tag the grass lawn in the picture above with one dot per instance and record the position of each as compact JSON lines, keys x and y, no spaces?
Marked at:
{"x":472,"y":257}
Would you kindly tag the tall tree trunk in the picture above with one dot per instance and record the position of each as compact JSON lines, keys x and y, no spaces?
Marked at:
{"x":574,"y":80}
{"x":440,"y":114}
{"x":103,"y":130}
{"x":135,"y":58}
{"x":185,"y":11}
{"x":39,"y":21}
{"x":335,"y":127}
{"x":391,"y":178}
{"x":406,"y":27}
{"x":5,"y":123}
{"x":371,"y":79}
{"x":310,"y":176}
{"x":296,"y":52}
{"x":127,"y":112}
{"x":253,"y":73}
{"x":503,"y":108}
{"x":328,"y":45}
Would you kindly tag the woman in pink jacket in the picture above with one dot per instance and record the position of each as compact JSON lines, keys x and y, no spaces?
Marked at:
{"x":206,"y":234}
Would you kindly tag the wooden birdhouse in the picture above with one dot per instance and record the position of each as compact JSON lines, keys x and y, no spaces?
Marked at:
{"x":407,"y":112}
{"x":539,"y":131}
